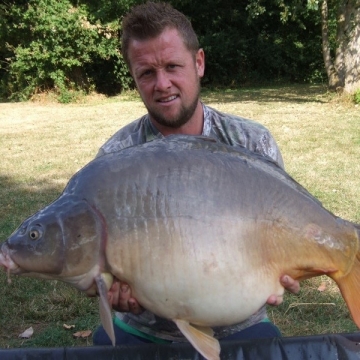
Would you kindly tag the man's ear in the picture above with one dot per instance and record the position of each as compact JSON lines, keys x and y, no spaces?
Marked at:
{"x":200,"y":62}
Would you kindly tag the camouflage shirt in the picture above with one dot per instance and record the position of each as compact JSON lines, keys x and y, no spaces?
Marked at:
{"x":229,"y":129}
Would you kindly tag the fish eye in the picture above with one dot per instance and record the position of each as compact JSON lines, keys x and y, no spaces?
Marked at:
{"x":34,"y":234}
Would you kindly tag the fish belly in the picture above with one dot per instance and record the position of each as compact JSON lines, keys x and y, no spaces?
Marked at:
{"x":209,"y":304}
{"x":202,"y":272}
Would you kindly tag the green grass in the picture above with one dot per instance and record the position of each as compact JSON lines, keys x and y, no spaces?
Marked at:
{"x":43,"y":144}
{"x":46,"y":306}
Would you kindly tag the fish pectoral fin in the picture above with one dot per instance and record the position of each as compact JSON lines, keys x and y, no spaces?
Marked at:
{"x":201,"y":338}
{"x":102,"y":283}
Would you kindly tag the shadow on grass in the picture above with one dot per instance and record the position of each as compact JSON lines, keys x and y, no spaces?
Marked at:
{"x":287,"y":93}
{"x":20,"y":200}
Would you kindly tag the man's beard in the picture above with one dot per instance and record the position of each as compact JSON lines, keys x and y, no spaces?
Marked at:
{"x":184,"y":115}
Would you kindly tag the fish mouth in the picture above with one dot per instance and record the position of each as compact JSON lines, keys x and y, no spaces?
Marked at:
{"x":7,"y":263}
{"x":6,"y":260}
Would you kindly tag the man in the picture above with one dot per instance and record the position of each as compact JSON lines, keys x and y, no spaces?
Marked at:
{"x":164,"y":58}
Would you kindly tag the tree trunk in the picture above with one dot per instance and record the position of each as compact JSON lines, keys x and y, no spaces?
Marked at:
{"x":344,"y":69}
{"x":352,"y":51}
{"x":332,"y":73}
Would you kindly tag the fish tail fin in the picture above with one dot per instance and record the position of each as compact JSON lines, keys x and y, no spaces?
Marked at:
{"x":350,"y":289}
{"x":201,"y":338}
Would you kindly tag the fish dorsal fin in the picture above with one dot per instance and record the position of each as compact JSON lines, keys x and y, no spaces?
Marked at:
{"x":105,"y":311}
{"x":201,"y":338}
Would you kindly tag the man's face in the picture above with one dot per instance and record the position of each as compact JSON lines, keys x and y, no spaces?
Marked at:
{"x":167,"y":76}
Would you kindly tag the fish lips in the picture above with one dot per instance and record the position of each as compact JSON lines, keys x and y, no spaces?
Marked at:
{"x":7,"y":262}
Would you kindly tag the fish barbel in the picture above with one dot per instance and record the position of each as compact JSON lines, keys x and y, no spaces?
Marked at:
{"x":193,"y":226}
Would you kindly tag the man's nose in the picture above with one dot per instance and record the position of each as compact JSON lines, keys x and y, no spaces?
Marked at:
{"x":162,"y":81}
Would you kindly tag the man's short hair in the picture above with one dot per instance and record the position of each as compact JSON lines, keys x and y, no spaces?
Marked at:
{"x":147,"y":21}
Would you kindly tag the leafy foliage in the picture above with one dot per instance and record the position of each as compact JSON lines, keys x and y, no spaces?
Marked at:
{"x":247,"y":43}
{"x":357,"y":97}
{"x":55,"y":45}
{"x":72,"y":46}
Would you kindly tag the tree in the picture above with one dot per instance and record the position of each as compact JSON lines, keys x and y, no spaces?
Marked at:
{"x":343,"y":65}
{"x":340,"y":29}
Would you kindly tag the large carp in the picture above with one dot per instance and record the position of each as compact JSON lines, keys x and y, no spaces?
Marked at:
{"x":193,"y":226}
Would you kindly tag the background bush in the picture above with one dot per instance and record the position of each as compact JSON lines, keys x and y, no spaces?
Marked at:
{"x":72,"y":47}
{"x":357,"y":97}
{"x":53,"y":44}
{"x":241,"y":48}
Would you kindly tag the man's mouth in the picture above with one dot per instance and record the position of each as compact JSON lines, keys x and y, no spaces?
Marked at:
{"x":168,"y":99}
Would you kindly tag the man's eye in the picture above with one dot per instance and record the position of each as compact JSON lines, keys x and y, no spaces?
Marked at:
{"x":146,"y":73}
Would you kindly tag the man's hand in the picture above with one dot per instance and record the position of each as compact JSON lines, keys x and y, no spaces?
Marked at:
{"x":289,"y":284}
{"x":120,"y":299}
